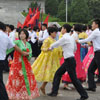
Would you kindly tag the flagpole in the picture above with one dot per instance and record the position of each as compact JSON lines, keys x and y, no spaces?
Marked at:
{"x":66,"y":10}
{"x":41,"y":17}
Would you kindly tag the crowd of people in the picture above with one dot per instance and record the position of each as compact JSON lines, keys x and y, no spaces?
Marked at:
{"x":59,"y":54}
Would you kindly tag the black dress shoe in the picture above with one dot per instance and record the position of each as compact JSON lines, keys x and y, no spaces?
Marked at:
{"x":91,"y":89}
{"x":83,"y":98}
{"x":52,"y":94}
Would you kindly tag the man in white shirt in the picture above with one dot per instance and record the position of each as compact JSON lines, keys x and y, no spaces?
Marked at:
{"x":43,"y":34}
{"x":12,"y":33}
{"x":89,"y":31}
{"x":5,"y":43}
{"x":30,"y":31}
{"x":95,"y":38}
{"x":75,"y":35}
{"x":68,"y":45}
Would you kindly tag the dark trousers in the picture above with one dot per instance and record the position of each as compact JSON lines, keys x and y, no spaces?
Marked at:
{"x":39,"y":46}
{"x":70,"y":66}
{"x":93,"y":66}
{"x":3,"y":93}
{"x":6,"y":61}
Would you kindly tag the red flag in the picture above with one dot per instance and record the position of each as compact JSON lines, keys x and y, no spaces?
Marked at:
{"x":32,"y":21}
{"x":27,"y":19}
{"x":19,"y":24}
{"x":39,"y":25}
{"x":80,"y":70}
{"x":33,"y":11}
{"x":46,"y":20}
{"x":30,"y":11}
{"x":37,"y":9}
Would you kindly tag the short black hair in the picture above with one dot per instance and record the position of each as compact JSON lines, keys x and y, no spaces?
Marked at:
{"x":2,"y":26}
{"x":59,"y":29}
{"x":26,"y":33}
{"x":97,"y":21}
{"x":7,"y":25}
{"x":25,"y":27}
{"x":45,"y":25}
{"x":84,"y":27}
{"x":36,"y":28}
{"x":67,"y":27}
{"x":11,"y":27}
{"x":30,"y":29}
{"x":18,"y":29}
{"x":78,"y":27}
{"x":51,"y":30}
{"x":54,"y":25}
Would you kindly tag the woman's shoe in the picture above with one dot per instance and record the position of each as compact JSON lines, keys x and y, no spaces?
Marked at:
{"x":67,"y":88}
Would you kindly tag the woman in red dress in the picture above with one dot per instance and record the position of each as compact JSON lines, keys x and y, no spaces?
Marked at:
{"x":21,"y":84}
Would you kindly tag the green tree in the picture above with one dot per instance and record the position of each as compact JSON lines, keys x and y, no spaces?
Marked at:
{"x":33,"y":5}
{"x":51,"y":7}
{"x":94,"y":7}
{"x":62,"y":10}
{"x":79,"y":11}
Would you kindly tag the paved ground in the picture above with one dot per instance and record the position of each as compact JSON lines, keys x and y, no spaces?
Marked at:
{"x":10,"y":10}
{"x":64,"y":94}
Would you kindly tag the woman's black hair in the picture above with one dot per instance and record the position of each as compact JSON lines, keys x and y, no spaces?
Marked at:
{"x":78,"y":27}
{"x":51,"y":30}
{"x":26,"y":33}
{"x":18,"y":30}
{"x":84,"y":28}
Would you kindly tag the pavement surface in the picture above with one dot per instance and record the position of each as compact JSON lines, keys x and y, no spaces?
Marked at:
{"x":63,"y":94}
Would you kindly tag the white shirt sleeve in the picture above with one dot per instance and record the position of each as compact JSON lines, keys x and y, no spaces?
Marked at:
{"x":40,"y":35}
{"x":75,"y":47}
{"x":90,"y":38}
{"x":60,"y":42}
{"x":45,"y":35}
{"x":12,"y":36}
{"x":75,"y":36}
{"x":10,"y":43}
{"x":30,"y":34}
{"x":33,"y":37}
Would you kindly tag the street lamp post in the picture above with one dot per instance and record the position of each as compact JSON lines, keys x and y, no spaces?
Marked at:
{"x":66,"y":10}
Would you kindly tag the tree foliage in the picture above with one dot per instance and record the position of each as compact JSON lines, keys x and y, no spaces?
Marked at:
{"x":51,"y":7}
{"x":94,"y":7}
{"x":62,"y":10}
{"x":79,"y":11}
{"x":33,"y":5}
{"x":82,"y":11}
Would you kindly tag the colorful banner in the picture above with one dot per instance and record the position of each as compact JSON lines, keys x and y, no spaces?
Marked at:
{"x":88,"y":58}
